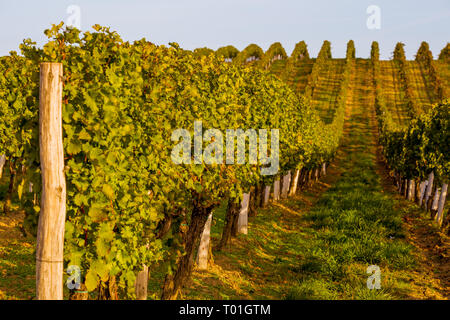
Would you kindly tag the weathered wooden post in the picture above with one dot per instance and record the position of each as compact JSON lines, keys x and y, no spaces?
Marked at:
{"x":276,"y":190}
{"x":243,"y":214}
{"x":286,"y":184}
{"x":440,"y":212}
{"x":142,"y":283}
{"x":324,"y":169}
{"x":410,"y":192}
{"x":422,"y":187}
{"x":294,"y":185}
{"x":266,"y":195}
{"x":203,"y":249}
{"x":52,"y":217}
{"x":429,"y":189}
{"x":2,"y":164}
{"x":435,"y":203}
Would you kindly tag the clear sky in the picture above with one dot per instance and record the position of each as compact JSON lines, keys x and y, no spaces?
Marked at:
{"x":211,"y":23}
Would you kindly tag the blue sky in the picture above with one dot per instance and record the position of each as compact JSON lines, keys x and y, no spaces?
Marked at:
{"x":200,"y":23}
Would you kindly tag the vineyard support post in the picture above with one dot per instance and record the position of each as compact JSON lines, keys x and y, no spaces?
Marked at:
{"x":286,"y":184}
{"x":2,"y":164}
{"x":324,"y":169}
{"x":266,"y":195}
{"x":203,"y":249}
{"x":295,"y":183}
{"x":243,"y":214}
{"x":276,"y":190}
{"x":410,"y":189}
{"x":50,"y":234}
{"x":429,"y":189}
{"x":440,"y":212}
{"x":434,"y":206}
{"x":142,"y":283}
{"x":423,"y":186}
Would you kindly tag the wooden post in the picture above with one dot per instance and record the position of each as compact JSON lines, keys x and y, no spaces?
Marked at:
{"x":52,"y":217}
{"x":243,"y":214}
{"x":434,"y":206}
{"x":324,"y":169}
{"x":276,"y":190}
{"x":266,"y":195}
{"x":294,"y":183}
{"x":429,"y":189}
{"x":2,"y":164}
{"x":142,"y":283}
{"x":286,"y":184}
{"x":423,"y":186}
{"x":203,"y":250}
{"x":410,"y":188}
{"x":440,"y":212}
{"x":316,"y":175}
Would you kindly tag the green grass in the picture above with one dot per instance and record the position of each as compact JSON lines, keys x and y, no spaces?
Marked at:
{"x":354,"y":225}
{"x":17,"y":270}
